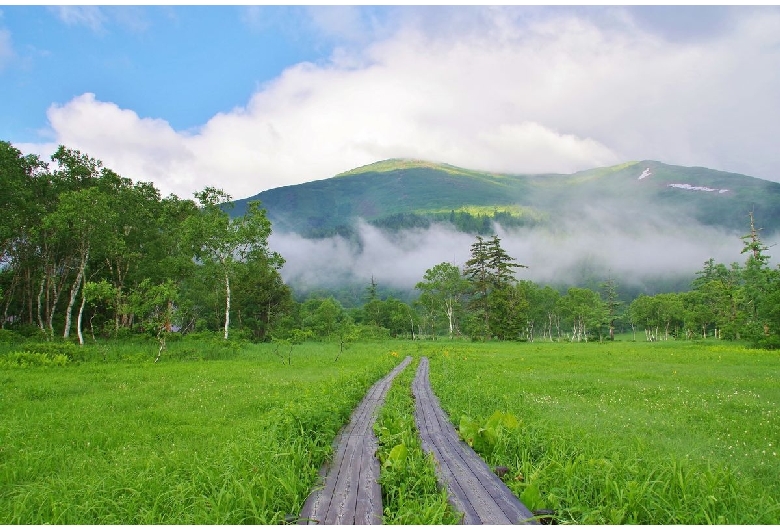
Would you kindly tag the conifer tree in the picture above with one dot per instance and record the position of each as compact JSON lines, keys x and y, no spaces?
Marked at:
{"x":490,"y":270}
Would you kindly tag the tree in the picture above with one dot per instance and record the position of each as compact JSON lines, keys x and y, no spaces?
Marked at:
{"x":261,"y":298}
{"x":327,"y":316}
{"x":720,"y":293}
{"x":222,"y":241}
{"x":83,"y":218}
{"x":609,"y":288}
{"x":157,"y":306}
{"x":758,"y":285}
{"x":94,"y":293}
{"x":489,"y":268}
{"x":509,"y":312}
{"x":21,"y":204}
{"x":585,"y":312}
{"x":442,"y":289}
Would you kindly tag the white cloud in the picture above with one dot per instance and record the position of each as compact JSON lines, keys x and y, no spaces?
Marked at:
{"x":89,"y":16}
{"x":499,"y":91}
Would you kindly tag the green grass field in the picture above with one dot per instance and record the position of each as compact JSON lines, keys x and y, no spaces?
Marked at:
{"x":662,"y":433}
{"x":180,"y":442}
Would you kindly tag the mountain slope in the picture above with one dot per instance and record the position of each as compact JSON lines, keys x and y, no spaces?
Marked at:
{"x":401,"y":193}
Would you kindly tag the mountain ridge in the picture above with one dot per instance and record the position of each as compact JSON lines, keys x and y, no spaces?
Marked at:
{"x":401,"y":193}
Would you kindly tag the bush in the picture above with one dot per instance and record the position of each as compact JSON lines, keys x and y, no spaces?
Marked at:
{"x":29,"y":331}
{"x":51,"y":349}
{"x":10,"y":337}
{"x":26,"y":359}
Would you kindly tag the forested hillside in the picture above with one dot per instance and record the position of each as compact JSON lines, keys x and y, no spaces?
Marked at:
{"x":397,"y":194}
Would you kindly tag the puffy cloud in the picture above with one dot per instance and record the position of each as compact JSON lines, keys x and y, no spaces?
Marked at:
{"x":495,"y":89}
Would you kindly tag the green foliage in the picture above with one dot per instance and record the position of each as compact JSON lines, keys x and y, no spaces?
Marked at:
{"x":498,"y":309}
{"x":484,"y":436}
{"x":443,"y":291}
{"x":10,"y":337}
{"x":397,"y":456}
{"x":26,"y":359}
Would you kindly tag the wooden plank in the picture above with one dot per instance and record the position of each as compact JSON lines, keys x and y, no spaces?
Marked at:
{"x":473,"y":488}
{"x":349,"y":492}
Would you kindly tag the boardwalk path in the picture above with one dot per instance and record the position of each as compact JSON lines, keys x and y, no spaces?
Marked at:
{"x":473,"y":489}
{"x":351,"y":494}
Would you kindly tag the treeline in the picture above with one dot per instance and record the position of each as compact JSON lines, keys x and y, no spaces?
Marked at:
{"x":85,"y":253}
{"x":485,"y":301}
{"x":739,"y":301}
{"x":83,"y":250}
{"x":463,"y":221}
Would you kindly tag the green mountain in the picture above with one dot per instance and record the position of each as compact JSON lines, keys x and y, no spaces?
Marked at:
{"x":399,"y":193}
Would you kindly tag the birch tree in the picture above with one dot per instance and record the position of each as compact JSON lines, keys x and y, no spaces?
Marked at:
{"x":443,"y":288}
{"x":225,"y":242}
{"x":84,"y":218}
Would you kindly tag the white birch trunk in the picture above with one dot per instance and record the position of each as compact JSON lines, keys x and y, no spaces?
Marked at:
{"x":50,"y":323}
{"x":79,"y":319}
{"x":40,"y":303}
{"x":227,"y":303}
{"x":450,"y":313}
{"x":74,"y":291}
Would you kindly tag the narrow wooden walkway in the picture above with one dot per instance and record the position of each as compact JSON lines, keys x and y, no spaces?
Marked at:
{"x":473,"y":489}
{"x":350,"y":493}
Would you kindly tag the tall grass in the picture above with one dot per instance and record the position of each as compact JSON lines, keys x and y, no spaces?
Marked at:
{"x":234,"y":441}
{"x":627,"y":433}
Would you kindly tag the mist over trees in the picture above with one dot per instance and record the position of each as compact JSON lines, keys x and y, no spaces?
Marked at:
{"x":87,"y":254}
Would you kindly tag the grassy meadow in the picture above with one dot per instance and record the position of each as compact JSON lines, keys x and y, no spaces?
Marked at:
{"x":231,"y":441}
{"x":651,"y":433}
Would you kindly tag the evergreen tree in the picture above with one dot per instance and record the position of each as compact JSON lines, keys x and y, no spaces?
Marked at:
{"x":613,"y":303}
{"x":491,"y":268}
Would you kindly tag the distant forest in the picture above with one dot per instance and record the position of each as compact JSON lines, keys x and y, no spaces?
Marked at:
{"x":87,"y":254}
{"x":463,"y":221}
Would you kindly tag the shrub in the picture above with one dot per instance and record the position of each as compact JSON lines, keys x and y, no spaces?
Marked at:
{"x":10,"y":337}
{"x":27,"y":359}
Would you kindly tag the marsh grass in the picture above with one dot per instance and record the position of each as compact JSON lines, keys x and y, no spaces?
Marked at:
{"x":209,"y":442}
{"x":674,"y":433}
{"x":410,"y":494}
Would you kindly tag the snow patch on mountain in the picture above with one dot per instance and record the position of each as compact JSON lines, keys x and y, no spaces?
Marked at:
{"x":695,"y":188}
{"x":646,"y":173}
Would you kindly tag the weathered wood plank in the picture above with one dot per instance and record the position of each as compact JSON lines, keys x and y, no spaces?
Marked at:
{"x":472,"y":487}
{"x":349,"y":492}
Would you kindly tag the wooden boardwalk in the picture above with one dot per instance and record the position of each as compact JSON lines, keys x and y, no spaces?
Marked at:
{"x":350,"y":493}
{"x":473,"y":489}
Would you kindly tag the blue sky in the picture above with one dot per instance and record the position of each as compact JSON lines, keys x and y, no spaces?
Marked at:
{"x":250,"y":98}
{"x":183,"y":64}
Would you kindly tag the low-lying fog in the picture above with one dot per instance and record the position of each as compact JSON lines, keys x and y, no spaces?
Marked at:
{"x":633,"y":249}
